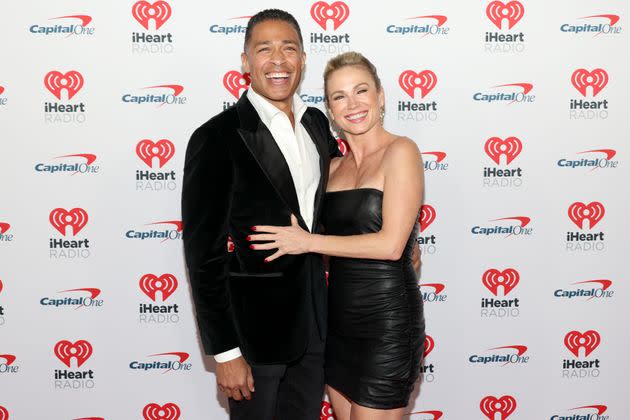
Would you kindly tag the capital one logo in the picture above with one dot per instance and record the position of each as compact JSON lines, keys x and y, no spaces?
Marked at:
{"x":81,"y":350}
{"x":4,"y":227}
{"x":4,"y":413}
{"x":56,"y":82}
{"x":163,"y":150}
{"x":1,"y":286}
{"x":495,"y":147}
{"x":143,"y":12}
{"x":437,"y":414}
{"x":504,"y":406}
{"x":168,"y":411}
{"x":428,"y":345}
{"x":512,"y":11}
{"x":427,"y":216}
{"x":76,"y":218}
{"x":8,"y":359}
{"x":1,"y":90}
{"x":493,"y":278}
{"x":424,"y":80}
{"x":597,"y":80}
{"x":580,"y":212}
{"x":322,"y":12}
{"x":150,"y":284}
{"x":575,"y":340}
{"x":234,"y":81}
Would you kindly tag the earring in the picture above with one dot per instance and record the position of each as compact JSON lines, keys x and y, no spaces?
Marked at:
{"x":382,"y":115}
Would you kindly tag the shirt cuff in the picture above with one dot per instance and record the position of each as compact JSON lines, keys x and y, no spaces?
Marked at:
{"x":226,"y":356}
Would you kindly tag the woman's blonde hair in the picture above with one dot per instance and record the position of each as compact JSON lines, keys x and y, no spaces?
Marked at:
{"x":350,"y":58}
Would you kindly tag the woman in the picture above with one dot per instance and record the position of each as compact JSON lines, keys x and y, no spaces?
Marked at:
{"x":376,"y":325}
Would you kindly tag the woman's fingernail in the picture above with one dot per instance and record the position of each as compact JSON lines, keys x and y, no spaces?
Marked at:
{"x":253,"y":227}
{"x":266,"y":260}
{"x":251,"y":247}
{"x":249,"y":238}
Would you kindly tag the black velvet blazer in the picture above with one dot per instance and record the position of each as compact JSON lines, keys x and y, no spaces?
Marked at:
{"x":235,"y":177}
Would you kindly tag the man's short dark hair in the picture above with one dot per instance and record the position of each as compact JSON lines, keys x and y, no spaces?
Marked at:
{"x":271,"y":14}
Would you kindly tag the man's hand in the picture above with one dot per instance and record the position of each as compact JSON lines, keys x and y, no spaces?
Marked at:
{"x":235,"y":379}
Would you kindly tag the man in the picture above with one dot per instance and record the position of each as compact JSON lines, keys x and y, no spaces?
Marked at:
{"x":257,"y":163}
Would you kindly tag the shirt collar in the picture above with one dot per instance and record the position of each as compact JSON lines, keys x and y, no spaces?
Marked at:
{"x":267,"y":111}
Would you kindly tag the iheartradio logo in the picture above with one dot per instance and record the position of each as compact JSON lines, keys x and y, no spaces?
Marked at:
{"x":597,"y":79}
{"x":512,"y":11}
{"x":493,"y":279}
{"x":580,"y":212}
{"x":4,"y":413}
{"x":326,"y":412}
{"x":234,"y":81}
{"x":425,"y":80}
{"x":343,"y":146}
{"x":427,"y":216}
{"x":166,"y":284}
{"x":56,"y":81}
{"x":589,"y":340}
{"x":76,"y":218}
{"x":504,"y":406}
{"x":163,"y":150}
{"x":429,"y":345}
{"x":143,"y":12}
{"x":495,"y":147}
{"x":322,"y":12}
{"x":168,"y":411}
{"x":81,"y":350}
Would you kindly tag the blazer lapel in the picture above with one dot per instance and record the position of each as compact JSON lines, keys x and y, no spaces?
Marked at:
{"x":320,"y":139}
{"x":265,"y":150}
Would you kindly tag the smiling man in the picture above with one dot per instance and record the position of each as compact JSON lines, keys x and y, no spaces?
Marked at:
{"x":256,"y":164}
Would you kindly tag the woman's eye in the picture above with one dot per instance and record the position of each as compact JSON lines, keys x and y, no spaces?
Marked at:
{"x":336,"y":98}
{"x":362,"y":91}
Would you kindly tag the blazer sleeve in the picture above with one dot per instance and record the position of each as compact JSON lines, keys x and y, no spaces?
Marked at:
{"x":206,"y":199}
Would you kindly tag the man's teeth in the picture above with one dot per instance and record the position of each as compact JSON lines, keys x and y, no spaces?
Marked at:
{"x":277,"y":75}
{"x":357,"y":116}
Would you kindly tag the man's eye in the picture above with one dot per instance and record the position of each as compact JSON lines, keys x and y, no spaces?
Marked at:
{"x":264,"y":49}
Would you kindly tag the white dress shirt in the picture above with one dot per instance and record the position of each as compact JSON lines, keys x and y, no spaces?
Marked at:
{"x":301,"y":155}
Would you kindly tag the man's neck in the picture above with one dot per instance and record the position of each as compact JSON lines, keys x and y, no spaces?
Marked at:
{"x":285,"y":106}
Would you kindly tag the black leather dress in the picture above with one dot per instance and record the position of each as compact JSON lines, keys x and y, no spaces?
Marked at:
{"x":375,"y":317}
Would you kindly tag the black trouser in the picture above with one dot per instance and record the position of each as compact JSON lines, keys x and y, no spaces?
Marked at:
{"x":286,"y":392}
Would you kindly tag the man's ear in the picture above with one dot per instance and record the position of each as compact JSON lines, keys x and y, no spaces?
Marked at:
{"x":244,"y":62}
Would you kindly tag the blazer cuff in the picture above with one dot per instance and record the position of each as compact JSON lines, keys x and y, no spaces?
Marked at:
{"x":226,"y":356}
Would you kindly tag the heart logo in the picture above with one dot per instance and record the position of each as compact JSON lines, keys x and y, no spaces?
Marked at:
{"x":596,"y":79}
{"x":593,"y":212}
{"x":429,"y":345}
{"x":4,"y":413}
{"x":427,"y":216}
{"x":234,"y":81}
{"x":168,"y":411}
{"x":322,"y":12}
{"x":162,"y":149}
{"x":504,"y":405}
{"x":77,"y":218}
{"x":144,"y":11}
{"x":575,"y":340}
{"x":327,"y":412}
{"x":56,"y":81}
{"x":150,"y":284}
{"x":425,"y":80}
{"x":494,"y":278}
{"x":511,"y":147}
{"x":65,"y":351}
{"x":512,"y":11}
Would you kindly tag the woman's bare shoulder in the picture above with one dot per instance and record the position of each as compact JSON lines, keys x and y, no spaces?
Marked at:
{"x":400,"y":147}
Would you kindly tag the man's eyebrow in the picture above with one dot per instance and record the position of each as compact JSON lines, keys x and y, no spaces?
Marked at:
{"x":284,"y":41}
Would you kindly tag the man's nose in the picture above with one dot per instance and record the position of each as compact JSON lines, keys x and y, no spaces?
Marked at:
{"x":277,"y":57}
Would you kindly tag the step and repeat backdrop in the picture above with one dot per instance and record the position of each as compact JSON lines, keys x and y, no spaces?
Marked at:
{"x":520,"y":109}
